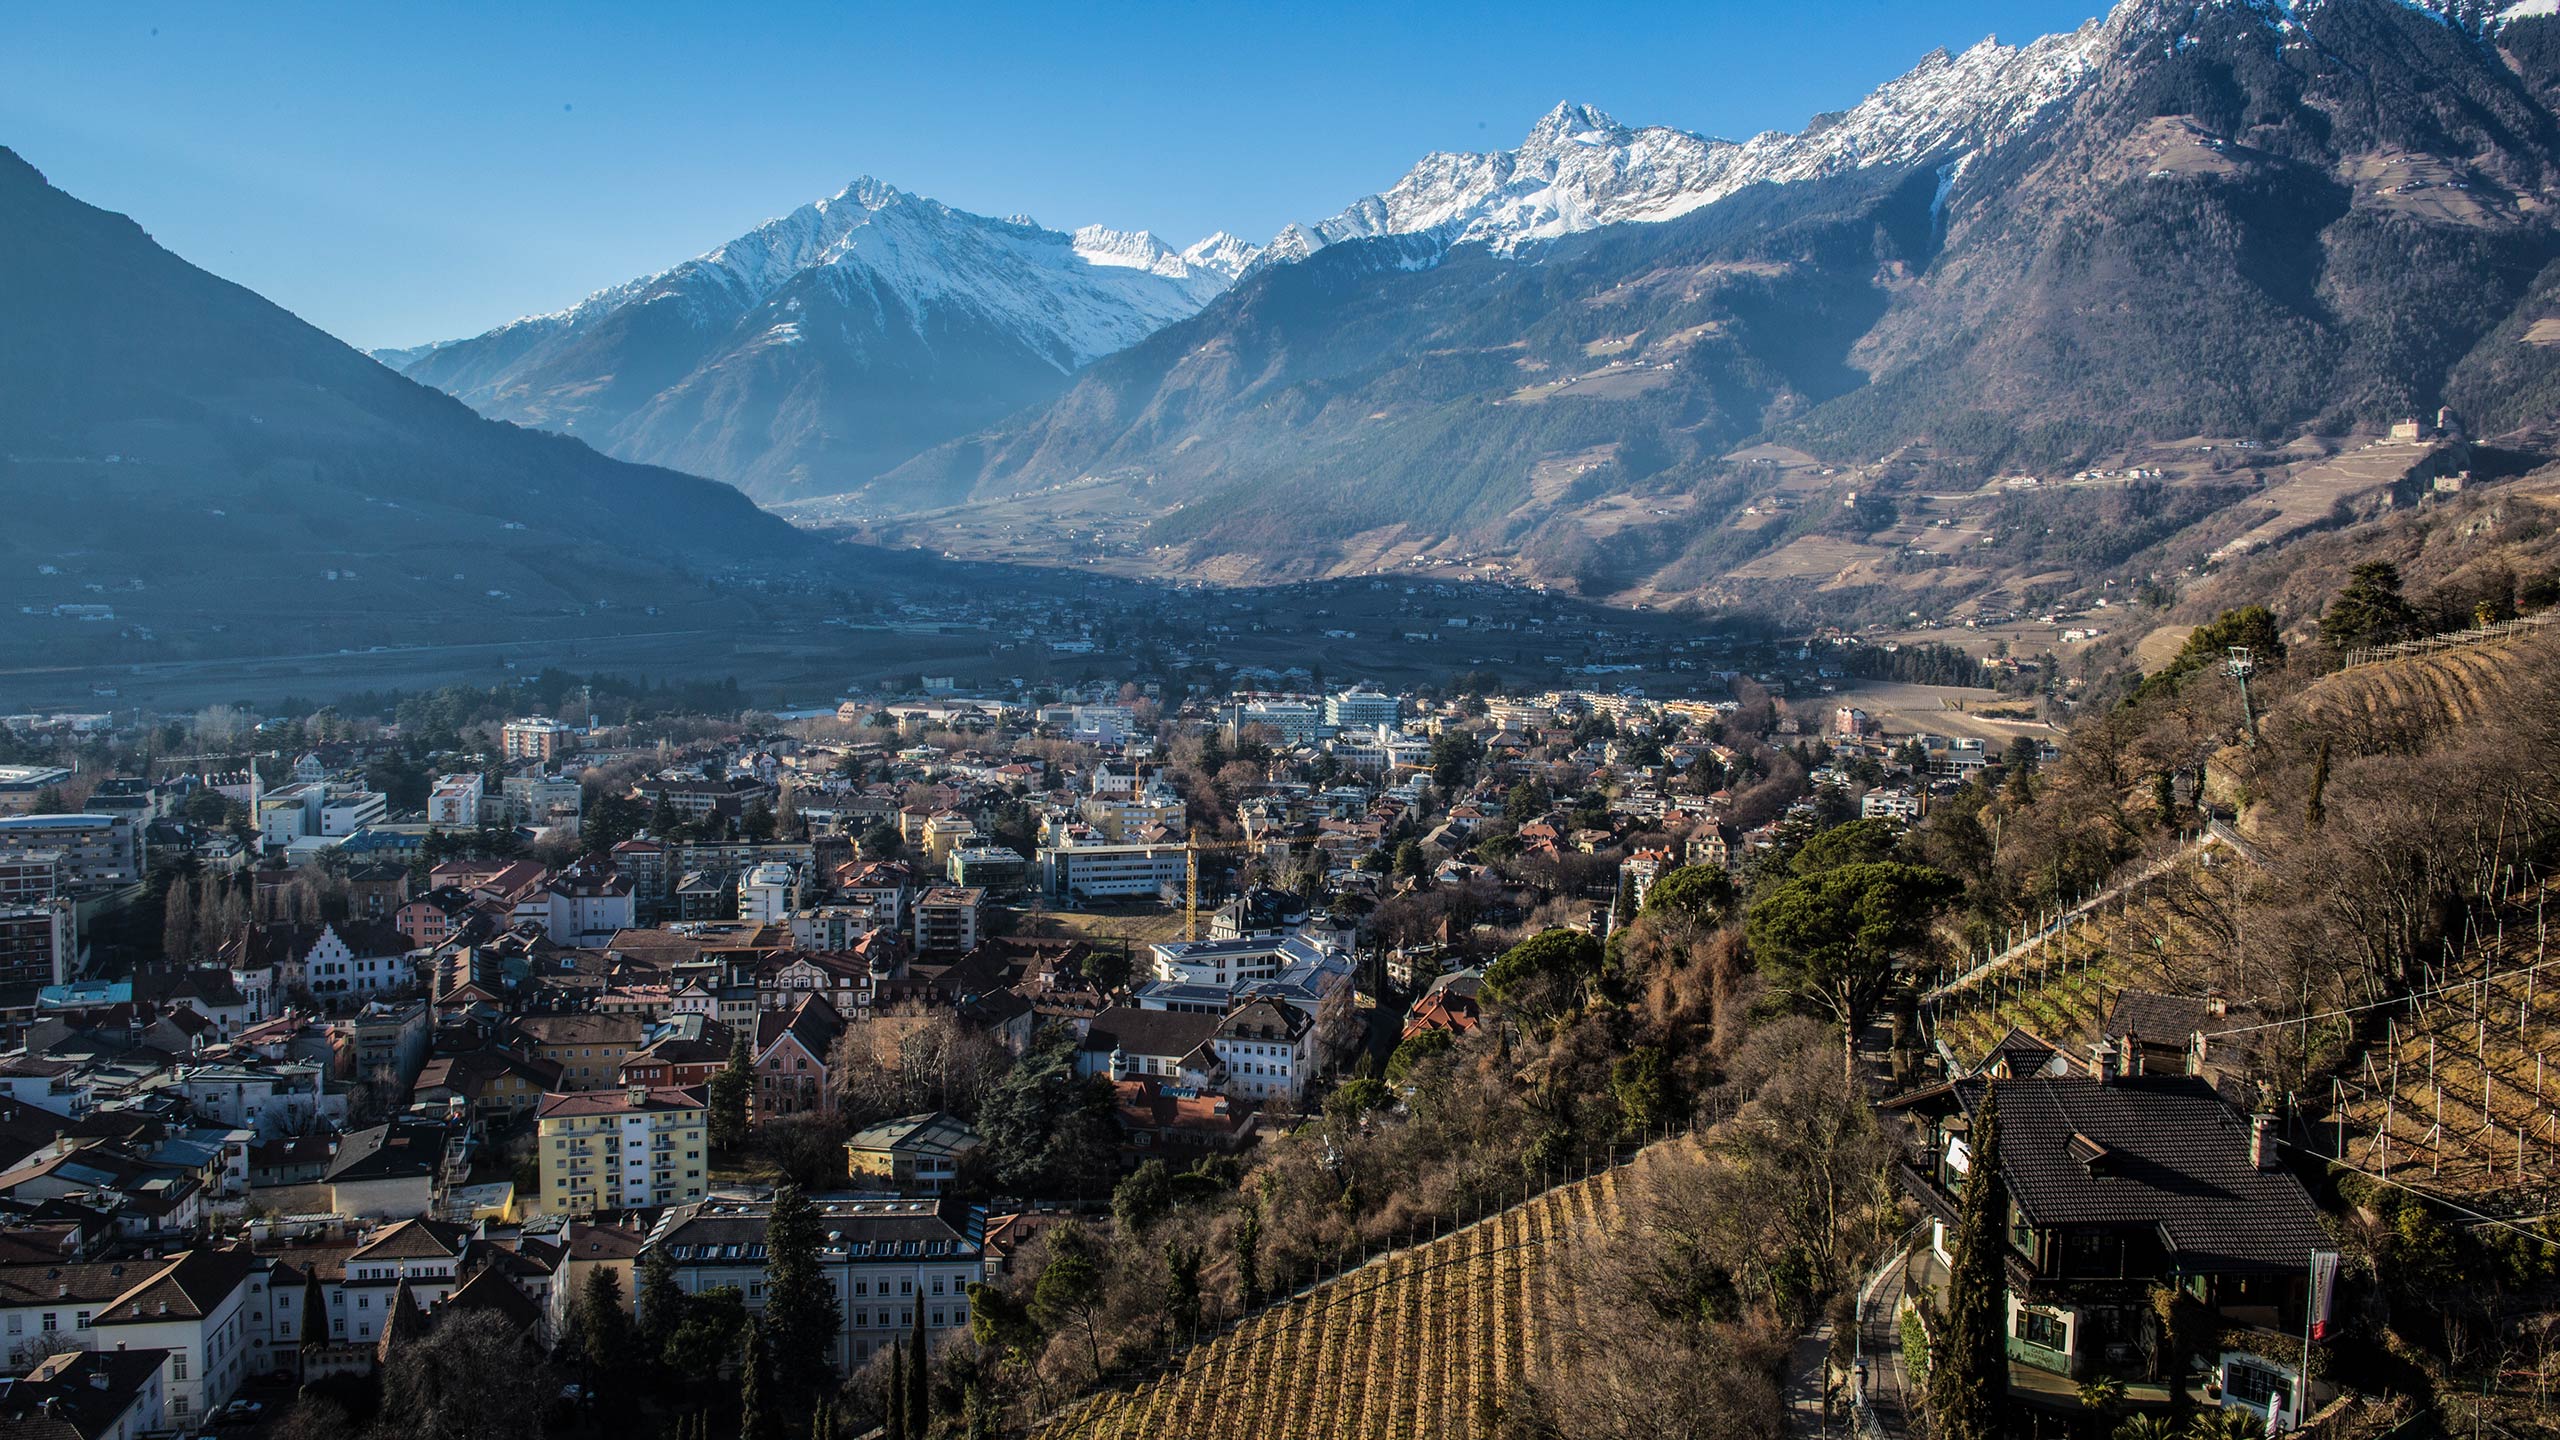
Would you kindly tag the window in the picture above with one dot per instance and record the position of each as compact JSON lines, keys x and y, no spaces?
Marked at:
{"x":80,"y":1321}
{"x":177,"y":1364}
{"x":2042,"y":1328}
{"x":177,"y":1404}
{"x":2257,"y":1385}
{"x":52,"y":1322}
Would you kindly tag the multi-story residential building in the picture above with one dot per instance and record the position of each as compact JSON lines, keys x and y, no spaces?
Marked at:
{"x":949,"y":919}
{"x":94,"y":852}
{"x":453,"y":802}
{"x":538,"y":799}
{"x":30,"y":877}
{"x":533,"y":738}
{"x":39,"y":943}
{"x":622,"y":1149}
{"x":385,"y":1038}
{"x":887,"y":1260}
{"x":768,"y":893}
{"x":587,"y":904}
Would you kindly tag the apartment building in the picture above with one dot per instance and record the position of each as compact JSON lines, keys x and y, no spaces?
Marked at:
{"x":623,"y":1149}
{"x":533,"y":738}
{"x":94,"y":852}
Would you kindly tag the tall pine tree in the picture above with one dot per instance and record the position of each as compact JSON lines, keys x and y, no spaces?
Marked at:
{"x":1968,"y":1356}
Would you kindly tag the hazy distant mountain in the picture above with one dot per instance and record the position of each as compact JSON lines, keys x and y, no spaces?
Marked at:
{"x":822,"y":348}
{"x":175,"y":444}
{"x":2219,"y":217}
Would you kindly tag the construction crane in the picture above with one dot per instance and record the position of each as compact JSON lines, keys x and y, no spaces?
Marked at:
{"x":1191,"y":878}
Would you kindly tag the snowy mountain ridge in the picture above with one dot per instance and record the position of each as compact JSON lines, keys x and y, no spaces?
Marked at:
{"x":1580,"y":169}
{"x":1076,"y":296}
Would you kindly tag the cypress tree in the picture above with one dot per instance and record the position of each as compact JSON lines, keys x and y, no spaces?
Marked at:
{"x":919,"y":1377}
{"x":757,"y":1417}
{"x":896,"y":1428}
{"x":1968,"y":1357}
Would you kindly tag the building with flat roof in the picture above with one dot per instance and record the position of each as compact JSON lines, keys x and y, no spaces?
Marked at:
{"x":21,"y":784}
{"x":96,"y":852}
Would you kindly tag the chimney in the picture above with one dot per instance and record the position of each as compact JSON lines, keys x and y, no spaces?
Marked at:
{"x":2102,"y":1062}
{"x":2262,"y":1142}
{"x":2130,"y":1058}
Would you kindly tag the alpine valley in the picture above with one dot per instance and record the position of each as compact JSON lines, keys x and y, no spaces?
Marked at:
{"x":2056,"y":315}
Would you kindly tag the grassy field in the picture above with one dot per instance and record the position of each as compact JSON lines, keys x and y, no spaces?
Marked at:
{"x":1422,"y":1342}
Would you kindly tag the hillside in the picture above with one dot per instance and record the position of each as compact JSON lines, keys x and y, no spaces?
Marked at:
{"x":2207,"y":252}
{"x":1425,"y":1341}
{"x":224,"y":476}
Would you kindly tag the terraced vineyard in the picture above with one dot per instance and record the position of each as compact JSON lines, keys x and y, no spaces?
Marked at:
{"x":2063,"y":991}
{"x":1418,"y":1344}
{"x":2460,"y":1094}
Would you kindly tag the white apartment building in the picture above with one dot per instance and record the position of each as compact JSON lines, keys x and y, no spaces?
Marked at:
{"x":768,"y":893}
{"x":453,"y":803}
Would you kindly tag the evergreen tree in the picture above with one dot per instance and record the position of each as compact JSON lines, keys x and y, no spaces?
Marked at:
{"x":2370,"y":610}
{"x":605,"y":1329}
{"x":661,"y":1300}
{"x":919,"y":1376}
{"x":731,"y":1090}
{"x":896,"y":1425}
{"x":800,"y":1303}
{"x":758,"y":1419}
{"x":1968,"y":1356}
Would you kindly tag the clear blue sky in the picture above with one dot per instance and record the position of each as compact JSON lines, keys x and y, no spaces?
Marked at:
{"x":406,"y":172}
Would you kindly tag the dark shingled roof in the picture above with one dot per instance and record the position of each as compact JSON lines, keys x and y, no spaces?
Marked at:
{"x":1150,"y":1032}
{"x":2159,"y":1019}
{"x":2171,"y":1157}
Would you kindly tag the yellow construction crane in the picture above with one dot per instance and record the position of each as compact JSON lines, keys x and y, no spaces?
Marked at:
{"x":1191,"y":879}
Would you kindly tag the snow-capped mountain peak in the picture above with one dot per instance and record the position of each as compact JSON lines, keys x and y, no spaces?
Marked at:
{"x":1579,"y":168}
{"x":1572,"y":124}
